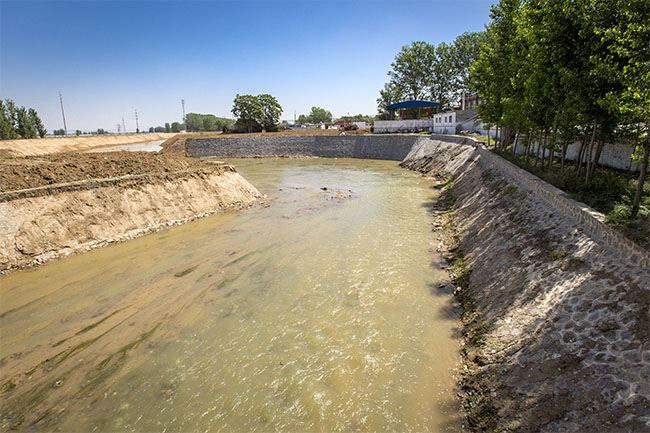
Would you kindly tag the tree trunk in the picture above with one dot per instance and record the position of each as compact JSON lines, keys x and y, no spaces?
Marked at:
{"x":589,"y":152}
{"x":514,"y":146}
{"x":639,"y":185}
{"x":488,"y":133}
{"x":496,"y":137}
{"x":594,"y":164}
{"x":539,"y":143}
{"x":529,"y":141}
{"x":544,"y":148}
{"x":551,"y":154}
{"x":581,"y":154}
{"x":565,"y":146}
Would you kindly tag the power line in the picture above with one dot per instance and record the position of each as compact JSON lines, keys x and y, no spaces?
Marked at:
{"x":137,"y":125}
{"x":65,"y":128}
{"x":184,"y":120}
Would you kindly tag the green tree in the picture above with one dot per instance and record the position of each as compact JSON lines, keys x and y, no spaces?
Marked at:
{"x":411,"y":69}
{"x":390,"y":94}
{"x":176,"y":127}
{"x":36,"y":122}
{"x":272,"y":111}
{"x":319,"y":114}
{"x":194,"y":122}
{"x":442,"y":83}
{"x":465,"y":50}
{"x":249,"y":112}
{"x":255,"y":113}
{"x":24,"y":126}
{"x":628,"y":56}
{"x":316,"y":115}
{"x":7,"y":119}
{"x":168,"y":128}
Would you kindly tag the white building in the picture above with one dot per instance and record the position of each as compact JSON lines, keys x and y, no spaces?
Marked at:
{"x":444,"y":123}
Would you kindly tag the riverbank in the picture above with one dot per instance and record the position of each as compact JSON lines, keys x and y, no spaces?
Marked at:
{"x":57,"y":205}
{"x":555,"y":321}
{"x":48,"y":145}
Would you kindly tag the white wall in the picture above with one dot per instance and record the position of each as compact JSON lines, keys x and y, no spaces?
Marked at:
{"x":614,"y":155}
{"x":411,"y":125}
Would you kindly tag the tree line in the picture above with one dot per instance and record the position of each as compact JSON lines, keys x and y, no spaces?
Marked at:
{"x":553,"y":73}
{"x":19,"y":122}
{"x":435,"y":72}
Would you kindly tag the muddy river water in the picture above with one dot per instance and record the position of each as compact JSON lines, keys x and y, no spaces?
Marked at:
{"x":315,"y":311}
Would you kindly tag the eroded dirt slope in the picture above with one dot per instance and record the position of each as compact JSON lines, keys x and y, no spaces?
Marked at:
{"x":34,"y":171}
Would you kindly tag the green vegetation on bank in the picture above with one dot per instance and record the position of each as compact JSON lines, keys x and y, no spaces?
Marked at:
{"x":19,"y":122}
{"x":611,"y":191}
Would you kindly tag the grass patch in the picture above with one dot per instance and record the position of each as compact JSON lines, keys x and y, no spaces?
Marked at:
{"x":8,"y":386}
{"x":509,"y":190}
{"x":449,"y":184}
{"x":558,"y":255}
{"x":476,"y":383}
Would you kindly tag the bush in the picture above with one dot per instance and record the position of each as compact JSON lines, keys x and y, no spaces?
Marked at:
{"x":350,"y":127}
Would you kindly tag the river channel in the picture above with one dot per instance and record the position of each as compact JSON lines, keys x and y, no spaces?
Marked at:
{"x":317,"y":310}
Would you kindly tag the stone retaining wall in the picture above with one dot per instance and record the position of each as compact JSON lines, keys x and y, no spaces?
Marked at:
{"x":391,"y":147}
{"x":591,"y":220}
{"x":557,"y":303}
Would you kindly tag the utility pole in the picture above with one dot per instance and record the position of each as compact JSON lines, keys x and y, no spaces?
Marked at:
{"x":137,"y":125}
{"x":123,"y":125}
{"x":184,"y":120}
{"x":65,"y":128}
{"x":118,"y":128}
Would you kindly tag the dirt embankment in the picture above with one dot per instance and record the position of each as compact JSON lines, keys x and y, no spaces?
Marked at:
{"x":42,"y":146}
{"x":56,"y":205}
{"x":555,"y":324}
{"x":34,"y":171}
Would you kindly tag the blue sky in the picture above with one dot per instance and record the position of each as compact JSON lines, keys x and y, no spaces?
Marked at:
{"x":109,"y":58}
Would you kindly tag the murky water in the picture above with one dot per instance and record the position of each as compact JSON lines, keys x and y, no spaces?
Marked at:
{"x":316,"y":313}
{"x":148,"y":146}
